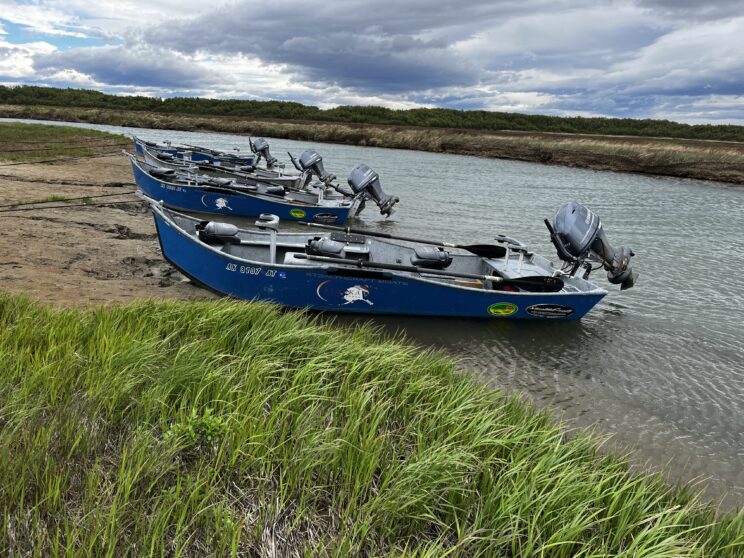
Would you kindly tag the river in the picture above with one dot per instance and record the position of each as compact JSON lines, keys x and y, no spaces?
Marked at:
{"x":659,"y":367}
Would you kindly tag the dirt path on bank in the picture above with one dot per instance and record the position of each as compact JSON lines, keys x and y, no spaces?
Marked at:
{"x":82,"y":255}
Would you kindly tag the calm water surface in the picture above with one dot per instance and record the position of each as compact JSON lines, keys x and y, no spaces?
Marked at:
{"x":659,"y":367}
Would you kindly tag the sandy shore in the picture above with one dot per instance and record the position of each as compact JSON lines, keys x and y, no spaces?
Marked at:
{"x":82,"y":255}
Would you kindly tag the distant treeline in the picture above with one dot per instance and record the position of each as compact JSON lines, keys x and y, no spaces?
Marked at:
{"x":425,"y":117}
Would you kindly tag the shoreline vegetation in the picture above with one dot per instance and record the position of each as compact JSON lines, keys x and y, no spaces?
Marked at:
{"x":231,"y":428}
{"x":702,"y":159}
{"x":419,"y":117}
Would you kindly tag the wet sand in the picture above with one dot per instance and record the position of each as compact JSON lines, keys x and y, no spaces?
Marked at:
{"x":82,"y":255}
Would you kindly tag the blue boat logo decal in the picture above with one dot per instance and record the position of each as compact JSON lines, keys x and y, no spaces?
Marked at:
{"x":549,"y":311}
{"x":297,"y":213}
{"x":335,"y":292}
{"x":502,"y":309}
{"x":325,"y":218}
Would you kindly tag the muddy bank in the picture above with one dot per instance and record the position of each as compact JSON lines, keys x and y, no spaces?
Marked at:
{"x":82,"y":255}
{"x":699,"y":159}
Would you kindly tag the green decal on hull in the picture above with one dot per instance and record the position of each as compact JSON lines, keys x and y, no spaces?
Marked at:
{"x":501,"y":309}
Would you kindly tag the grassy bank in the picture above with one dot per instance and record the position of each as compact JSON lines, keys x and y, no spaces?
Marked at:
{"x":221,"y":428}
{"x":705,"y":160}
{"x":32,"y":142}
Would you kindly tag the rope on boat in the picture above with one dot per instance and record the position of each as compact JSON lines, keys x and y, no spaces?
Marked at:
{"x":66,"y":200}
{"x":36,"y":142}
{"x":87,"y":146}
{"x":61,"y":159}
{"x":68,"y":206}
{"x":49,"y":182}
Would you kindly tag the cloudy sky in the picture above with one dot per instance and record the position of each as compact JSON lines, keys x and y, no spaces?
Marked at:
{"x":676,"y":59}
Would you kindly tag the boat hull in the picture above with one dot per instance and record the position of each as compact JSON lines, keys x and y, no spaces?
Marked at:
{"x":222,"y":201}
{"x":349,"y":290}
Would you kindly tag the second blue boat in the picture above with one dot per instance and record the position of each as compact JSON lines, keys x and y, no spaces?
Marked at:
{"x":202,"y":194}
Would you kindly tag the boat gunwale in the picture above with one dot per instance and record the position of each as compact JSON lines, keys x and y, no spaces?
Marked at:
{"x":182,"y":148}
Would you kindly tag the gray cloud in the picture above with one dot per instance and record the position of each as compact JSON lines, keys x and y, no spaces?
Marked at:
{"x":393,"y":47}
{"x":694,"y":9}
{"x":121,"y":65}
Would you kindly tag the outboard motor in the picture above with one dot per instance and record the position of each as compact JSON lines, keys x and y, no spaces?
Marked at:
{"x":578,"y":236}
{"x":260,"y":147}
{"x":364,"y":179}
{"x":311,"y":161}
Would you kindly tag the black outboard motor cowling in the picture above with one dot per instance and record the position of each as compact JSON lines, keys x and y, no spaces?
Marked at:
{"x":261,"y":148}
{"x":578,"y":235}
{"x":312,"y":162}
{"x":364,"y":179}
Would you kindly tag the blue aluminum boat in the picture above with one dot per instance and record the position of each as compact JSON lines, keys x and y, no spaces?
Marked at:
{"x":242,"y":174}
{"x":193,"y":153}
{"x":313,"y":178}
{"x":214,"y":195}
{"x":344,"y":271}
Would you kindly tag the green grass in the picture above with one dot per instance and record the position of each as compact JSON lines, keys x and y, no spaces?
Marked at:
{"x":228,"y":428}
{"x":21,"y":142}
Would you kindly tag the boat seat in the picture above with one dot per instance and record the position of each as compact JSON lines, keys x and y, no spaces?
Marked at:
{"x":273,"y":190}
{"x":324,"y":246}
{"x":212,"y":232}
{"x":431,"y":258}
{"x":356,"y":251}
{"x":214,"y":182}
{"x":161,"y":172}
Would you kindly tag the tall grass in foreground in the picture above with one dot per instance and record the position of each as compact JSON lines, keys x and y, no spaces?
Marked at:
{"x":228,"y":428}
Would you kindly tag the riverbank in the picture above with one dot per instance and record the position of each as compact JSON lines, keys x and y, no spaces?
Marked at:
{"x":699,"y":159}
{"x":229,"y":428}
{"x":76,"y":252}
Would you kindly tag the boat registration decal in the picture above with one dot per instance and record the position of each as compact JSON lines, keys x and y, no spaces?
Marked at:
{"x":325,"y":218}
{"x":297,"y":213}
{"x":501,"y":309}
{"x":549,"y":311}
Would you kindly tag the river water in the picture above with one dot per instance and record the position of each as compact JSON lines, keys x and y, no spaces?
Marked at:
{"x":659,"y":367}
